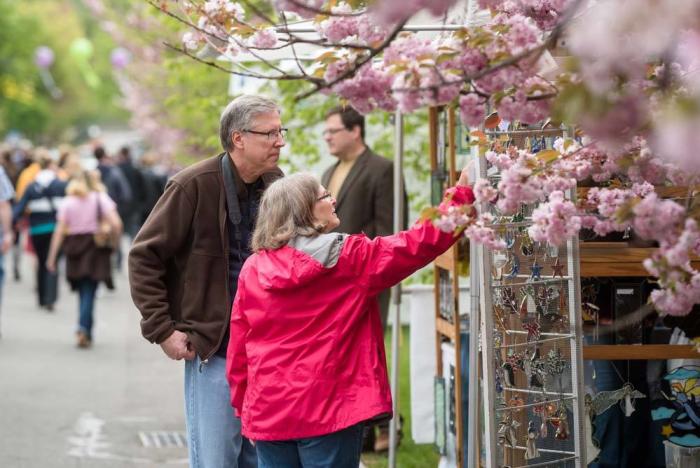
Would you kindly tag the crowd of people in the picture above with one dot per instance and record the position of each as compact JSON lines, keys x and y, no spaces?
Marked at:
{"x":53,"y":204}
{"x":273,"y":289}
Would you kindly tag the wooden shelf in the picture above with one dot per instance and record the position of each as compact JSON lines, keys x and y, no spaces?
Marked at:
{"x":609,"y":259}
{"x":639,"y":352}
{"x":445,"y":328}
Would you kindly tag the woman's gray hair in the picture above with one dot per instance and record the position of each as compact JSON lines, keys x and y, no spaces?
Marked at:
{"x":239,"y":115}
{"x":286,"y":211}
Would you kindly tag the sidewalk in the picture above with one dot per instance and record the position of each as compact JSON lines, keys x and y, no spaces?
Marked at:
{"x":115,"y":405}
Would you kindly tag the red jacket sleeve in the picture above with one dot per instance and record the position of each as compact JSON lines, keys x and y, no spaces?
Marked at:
{"x":386,"y":260}
{"x":236,"y":357}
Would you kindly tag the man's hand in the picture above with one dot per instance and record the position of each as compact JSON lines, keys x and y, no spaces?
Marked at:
{"x":177,"y":347}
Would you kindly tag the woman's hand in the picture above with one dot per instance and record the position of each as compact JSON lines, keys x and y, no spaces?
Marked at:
{"x":51,"y":265}
{"x":465,"y":178}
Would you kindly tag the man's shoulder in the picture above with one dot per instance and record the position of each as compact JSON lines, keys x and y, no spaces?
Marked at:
{"x":378,"y":161}
{"x":202,"y":168}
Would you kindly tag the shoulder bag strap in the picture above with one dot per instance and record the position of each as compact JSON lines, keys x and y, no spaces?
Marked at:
{"x":232,"y":206}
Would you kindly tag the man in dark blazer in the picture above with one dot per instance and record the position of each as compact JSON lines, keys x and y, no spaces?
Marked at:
{"x":362,"y":183}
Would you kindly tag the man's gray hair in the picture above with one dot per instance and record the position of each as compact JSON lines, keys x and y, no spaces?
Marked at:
{"x":239,"y":115}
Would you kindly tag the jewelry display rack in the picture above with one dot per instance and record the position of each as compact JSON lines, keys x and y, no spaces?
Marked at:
{"x":531,"y":350}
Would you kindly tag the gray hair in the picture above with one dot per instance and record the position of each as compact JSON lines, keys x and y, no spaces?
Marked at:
{"x":239,"y":115}
{"x":286,"y":211}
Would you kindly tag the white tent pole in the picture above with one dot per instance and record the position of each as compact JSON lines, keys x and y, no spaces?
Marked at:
{"x":396,"y":290}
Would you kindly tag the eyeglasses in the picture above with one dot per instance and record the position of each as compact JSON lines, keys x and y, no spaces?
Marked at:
{"x":272,"y":135}
{"x":332,"y":131}
{"x":325,"y":196}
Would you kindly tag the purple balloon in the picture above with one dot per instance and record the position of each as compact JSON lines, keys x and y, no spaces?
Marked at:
{"x":120,"y":58}
{"x":43,"y":57}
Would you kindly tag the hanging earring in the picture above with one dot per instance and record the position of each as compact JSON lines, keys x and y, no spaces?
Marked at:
{"x":536,"y":271}
{"x":530,"y":443}
{"x":541,"y":411}
{"x":515,"y":269}
{"x":562,"y":432}
{"x":557,"y":269}
{"x":523,"y":307}
{"x":527,"y":247}
{"x":533,"y":330}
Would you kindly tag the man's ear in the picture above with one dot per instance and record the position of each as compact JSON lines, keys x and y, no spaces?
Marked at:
{"x":237,"y":139}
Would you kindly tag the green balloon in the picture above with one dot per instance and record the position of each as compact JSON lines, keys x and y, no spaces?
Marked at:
{"x":81,"y":49}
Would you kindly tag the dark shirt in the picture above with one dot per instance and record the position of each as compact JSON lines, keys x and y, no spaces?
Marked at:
{"x":239,"y":251}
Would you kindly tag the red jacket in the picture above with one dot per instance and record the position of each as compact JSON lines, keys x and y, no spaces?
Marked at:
{"x":306,"y":354}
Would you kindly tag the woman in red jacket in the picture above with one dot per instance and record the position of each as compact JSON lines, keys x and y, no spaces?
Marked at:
{"x":306,"y":360}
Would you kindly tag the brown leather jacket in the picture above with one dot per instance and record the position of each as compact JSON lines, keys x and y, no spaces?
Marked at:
{"x":178,"y":264}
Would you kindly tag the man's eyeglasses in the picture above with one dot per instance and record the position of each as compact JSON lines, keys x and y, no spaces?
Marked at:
{"x":325,"y":196}
{"x":272,"y":135}
{"x":332,"y":131}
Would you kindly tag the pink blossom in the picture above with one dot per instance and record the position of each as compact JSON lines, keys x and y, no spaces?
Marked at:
{"x":501,"y":161}
{"x":191,"y":40}
{"x":484,"y":192}
{"x":677,"y":141}
{"x":479,"y":233}
{"x":472,"y":110}
{"x":264,"y":38}
{"x":657,"y":219}
{"x":517,"y":187}
{"x":298,"y":7}
{"x":555,"y":221}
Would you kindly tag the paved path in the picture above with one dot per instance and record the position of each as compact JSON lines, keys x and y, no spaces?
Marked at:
{"x":61,"y":406}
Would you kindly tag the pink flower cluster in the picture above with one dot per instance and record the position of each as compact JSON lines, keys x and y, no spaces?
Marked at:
{"x":516,"y":187}
{"x":555,"y":221}
{"x":480,"y":232}
{"x":658,"y":219}
{"x":484,"y":191}
{"x":359,"y":29}
{"x":264,"y":38}
{"x":303,"y":8}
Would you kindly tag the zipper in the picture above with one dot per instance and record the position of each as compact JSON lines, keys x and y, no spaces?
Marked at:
{"x":202,"y":364}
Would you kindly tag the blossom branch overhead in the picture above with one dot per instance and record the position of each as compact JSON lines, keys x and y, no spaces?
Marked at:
{"x":638,"y":103}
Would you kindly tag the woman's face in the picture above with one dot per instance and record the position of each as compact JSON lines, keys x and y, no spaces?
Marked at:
{"x":324,"y":210}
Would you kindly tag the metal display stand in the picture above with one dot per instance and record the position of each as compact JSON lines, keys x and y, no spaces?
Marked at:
{"x":531,"y":351}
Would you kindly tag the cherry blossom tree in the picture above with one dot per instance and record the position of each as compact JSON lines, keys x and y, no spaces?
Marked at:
{"x":627,"y":81}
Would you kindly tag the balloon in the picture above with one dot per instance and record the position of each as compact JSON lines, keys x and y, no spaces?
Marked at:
{"x":120,"y":58}
{"x":43,"y":57}
{"x":81,"y":48}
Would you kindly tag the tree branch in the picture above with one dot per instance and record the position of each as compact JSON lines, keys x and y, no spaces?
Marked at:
{"x":351,"y":72}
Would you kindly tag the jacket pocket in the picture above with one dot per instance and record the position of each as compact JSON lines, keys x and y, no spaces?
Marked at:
{"x":204,"y":296}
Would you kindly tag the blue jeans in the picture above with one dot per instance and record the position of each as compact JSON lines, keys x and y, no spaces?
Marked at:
{"x":86,"y":294}
{"x":213,"y":431}
{"x":336,"y":450}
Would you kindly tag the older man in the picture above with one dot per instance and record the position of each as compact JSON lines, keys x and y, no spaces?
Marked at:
{"x":184,"y":266}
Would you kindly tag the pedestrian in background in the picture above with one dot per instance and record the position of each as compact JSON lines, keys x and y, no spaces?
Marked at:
{"x":306,"y":360}
{"x":87,"y":210}
{"x":7,"y":193}
{"x":134,"y":176}
{"x":42,"y":198}
{"x":184,"y":266}
{"x":153,"y":185}
{"x":118,"y":189}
